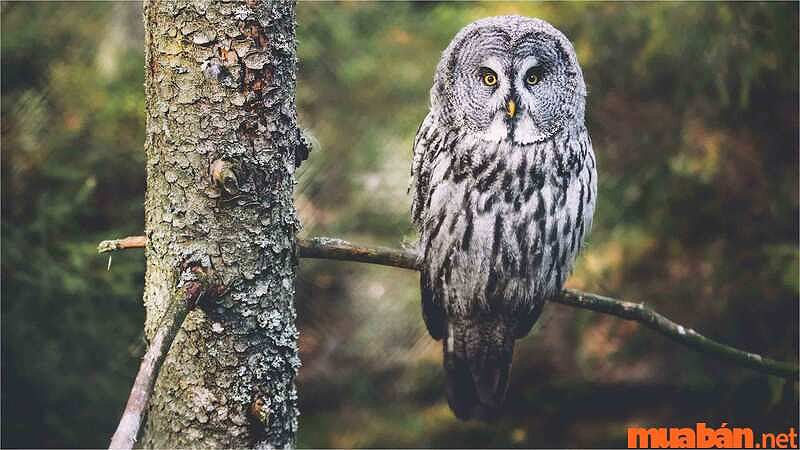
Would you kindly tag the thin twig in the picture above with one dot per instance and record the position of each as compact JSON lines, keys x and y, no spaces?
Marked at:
{"x":329,"y":248}
{"x":132,"y":417}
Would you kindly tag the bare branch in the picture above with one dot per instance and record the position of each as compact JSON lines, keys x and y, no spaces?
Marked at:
{"x":328,"y":248}
{"x":142,"y":390}
{"x":122,"y":244}
{"x":331,"y":248}
{"x":637,"y":312}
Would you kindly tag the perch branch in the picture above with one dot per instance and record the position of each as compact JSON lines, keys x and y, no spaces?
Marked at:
{"x":329,"y":248}
{"x":637,"y":312}
{"x":132,"y":417}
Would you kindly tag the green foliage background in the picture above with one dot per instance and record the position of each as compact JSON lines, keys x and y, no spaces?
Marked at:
{"x":693,"y":110}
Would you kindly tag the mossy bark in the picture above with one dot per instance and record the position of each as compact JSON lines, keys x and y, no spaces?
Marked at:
{"x":221,"y":136}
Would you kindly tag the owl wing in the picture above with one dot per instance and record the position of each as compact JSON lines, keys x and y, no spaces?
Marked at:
{"x":421,"y":170}
{"x":425,"y":150}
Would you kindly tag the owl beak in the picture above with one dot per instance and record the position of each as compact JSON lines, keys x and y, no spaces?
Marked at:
{"x":511,"y":108}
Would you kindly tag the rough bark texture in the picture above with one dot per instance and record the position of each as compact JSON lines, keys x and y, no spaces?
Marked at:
{"x":221,"y":136}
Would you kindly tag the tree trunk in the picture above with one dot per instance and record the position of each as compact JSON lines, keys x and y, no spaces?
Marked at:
{"x":221,"y":139}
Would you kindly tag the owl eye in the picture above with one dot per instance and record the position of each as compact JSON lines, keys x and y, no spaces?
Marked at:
{"x":532,"y":77}
{"x":489,"y":77}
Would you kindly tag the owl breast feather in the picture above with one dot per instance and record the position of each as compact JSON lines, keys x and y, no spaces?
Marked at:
{"x":500,"y":223}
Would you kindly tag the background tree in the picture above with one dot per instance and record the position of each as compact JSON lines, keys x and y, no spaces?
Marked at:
{"x":693,"y":111}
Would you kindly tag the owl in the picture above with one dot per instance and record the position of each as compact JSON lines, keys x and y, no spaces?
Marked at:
{"x":504,"y":186}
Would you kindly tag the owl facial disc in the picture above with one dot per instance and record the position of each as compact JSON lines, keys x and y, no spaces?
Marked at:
{"x":510,"y":78}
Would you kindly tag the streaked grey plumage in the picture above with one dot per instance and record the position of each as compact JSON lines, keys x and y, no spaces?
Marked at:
{"x":504,"y":186}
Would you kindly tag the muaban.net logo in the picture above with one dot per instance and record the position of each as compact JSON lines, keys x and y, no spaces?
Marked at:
{"x":701,"y":436}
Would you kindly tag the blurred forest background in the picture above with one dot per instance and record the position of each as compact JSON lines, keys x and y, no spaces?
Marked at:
{"x":693,"y":111}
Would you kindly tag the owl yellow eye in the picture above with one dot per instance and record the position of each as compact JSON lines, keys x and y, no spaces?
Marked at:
{"x":532,"y":78}
{"x":489,"y":79}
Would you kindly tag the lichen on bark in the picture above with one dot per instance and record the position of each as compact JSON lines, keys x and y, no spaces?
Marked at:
{"x":220,"y":86}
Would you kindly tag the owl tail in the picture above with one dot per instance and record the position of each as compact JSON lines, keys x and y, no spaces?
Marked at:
{"x":477,"y":363}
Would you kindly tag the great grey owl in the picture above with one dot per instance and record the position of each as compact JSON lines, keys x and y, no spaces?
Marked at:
{"x":504,"y":188}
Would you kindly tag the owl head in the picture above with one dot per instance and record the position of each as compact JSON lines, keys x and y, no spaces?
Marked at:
{"x":509,"y":78}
